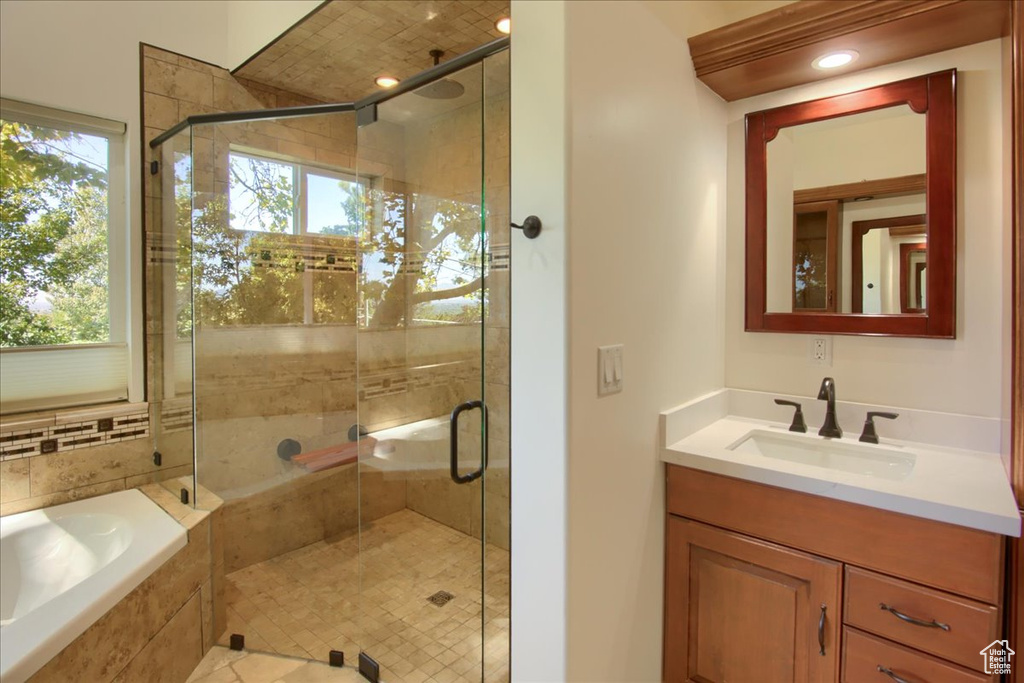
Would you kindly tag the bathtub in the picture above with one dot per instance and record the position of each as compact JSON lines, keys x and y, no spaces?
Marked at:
{"x":423,"y":448}
{"x":63,"y":567}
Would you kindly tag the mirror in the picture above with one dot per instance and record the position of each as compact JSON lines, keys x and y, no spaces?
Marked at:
{"x":851,"y":212}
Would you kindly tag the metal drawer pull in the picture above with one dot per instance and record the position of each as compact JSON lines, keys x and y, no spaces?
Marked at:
{"x":911,"y":620}
{"x":891,"y":674}
{"x":821,"y":632}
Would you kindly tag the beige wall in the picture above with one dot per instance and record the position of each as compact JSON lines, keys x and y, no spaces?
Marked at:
{"x":962,"y":375}
{"x":647,"y":162}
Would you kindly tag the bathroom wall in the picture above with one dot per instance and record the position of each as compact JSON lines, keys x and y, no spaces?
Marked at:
{"x":961,"y":375}
{"x":647,"y":160}
{"x":621,"y":152}
{"x":539,"y":343}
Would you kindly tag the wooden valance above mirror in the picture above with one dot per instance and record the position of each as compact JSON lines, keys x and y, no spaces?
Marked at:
{"x":863,"y":181}
{"x":775,"y":49}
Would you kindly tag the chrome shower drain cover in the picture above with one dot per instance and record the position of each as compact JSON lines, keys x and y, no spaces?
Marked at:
{"x":441,"y":598}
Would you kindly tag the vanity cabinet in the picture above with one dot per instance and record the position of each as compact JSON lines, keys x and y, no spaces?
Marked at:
{"x":741,"y":609}
{"x":768,"y":584}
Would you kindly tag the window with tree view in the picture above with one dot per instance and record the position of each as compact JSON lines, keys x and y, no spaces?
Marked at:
{"x":59,"y":181}
{"x":53,"y":286}
{"x":268,"y":195}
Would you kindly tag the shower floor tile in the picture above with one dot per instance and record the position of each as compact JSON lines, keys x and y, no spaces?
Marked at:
{"x":308,"y":602}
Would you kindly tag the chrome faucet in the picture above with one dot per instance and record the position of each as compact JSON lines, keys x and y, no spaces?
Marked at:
{"x":827,"y":392}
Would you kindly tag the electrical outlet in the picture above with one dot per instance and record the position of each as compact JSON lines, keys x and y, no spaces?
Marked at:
{"x":821,"y":351}
{"x":609,"y":369}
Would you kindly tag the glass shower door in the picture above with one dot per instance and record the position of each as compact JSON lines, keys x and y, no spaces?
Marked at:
{"x":421,"y":400}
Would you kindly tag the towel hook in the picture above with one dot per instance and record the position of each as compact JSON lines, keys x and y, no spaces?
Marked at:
{"x":530,"y":227}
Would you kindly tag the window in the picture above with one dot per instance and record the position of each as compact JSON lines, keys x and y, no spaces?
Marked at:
{"x":64,"y":305}
{"x":269,"y":195}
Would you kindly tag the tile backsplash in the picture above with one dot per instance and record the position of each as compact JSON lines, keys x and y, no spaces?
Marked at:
{"x":71,"y":431}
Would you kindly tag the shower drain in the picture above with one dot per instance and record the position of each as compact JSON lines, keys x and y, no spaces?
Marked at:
{"x":440,"y":598}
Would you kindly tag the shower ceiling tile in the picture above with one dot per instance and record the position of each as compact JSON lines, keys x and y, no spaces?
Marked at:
{"x":334,"y":54}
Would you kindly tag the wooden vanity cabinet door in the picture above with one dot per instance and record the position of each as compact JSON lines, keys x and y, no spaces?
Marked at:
{"x":740,"y":609}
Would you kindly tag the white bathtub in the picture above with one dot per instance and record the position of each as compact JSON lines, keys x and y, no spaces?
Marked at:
{"x":423,"y":448}
{"x":64,"y":567}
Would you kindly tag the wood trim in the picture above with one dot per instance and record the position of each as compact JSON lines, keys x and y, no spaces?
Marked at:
{"x":775,"y":49}
{"x":935,"y":94}
{"x":911,"y":230}
{"x":1016,"y":592}
{"x":906,"y":250}
{"x":1017,"y":268}
{"x":888,"y":187}
{"x":1015,"y":605}
{"x":756,"y":256}
{"x":898,"y":226}
{"x":953,"y":558}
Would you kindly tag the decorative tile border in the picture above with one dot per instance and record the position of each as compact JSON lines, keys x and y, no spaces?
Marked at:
{"x":41,"y":439}
{"x":175,"y":415}
{"x":498,"y":257}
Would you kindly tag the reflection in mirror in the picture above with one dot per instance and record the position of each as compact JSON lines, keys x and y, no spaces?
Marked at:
{"x":879,"y":264}
{"x":913,"y":271}
{"x":827,"y":180}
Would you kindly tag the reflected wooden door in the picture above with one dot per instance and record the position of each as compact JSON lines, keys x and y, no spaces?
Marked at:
{"x":742,"y":610}
{"x":815,"y":256}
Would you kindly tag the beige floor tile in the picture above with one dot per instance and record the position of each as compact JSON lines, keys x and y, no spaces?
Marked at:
{"x":225,"y":675}
{"x":261,"y":668}
{"x":309,"y":600}
{"x":217,"y":658}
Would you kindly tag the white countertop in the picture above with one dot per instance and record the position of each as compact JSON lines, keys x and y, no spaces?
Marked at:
{"x":958,"y":486}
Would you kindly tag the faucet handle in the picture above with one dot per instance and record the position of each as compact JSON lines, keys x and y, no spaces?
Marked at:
{"x":869,"y":435}
{"x":798,"y":417}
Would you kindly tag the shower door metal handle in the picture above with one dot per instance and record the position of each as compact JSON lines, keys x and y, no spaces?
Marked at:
{"x":454,"y":456}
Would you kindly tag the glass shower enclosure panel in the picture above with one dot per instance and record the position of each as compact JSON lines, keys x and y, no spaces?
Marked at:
{"x":169,"y":298}
{"x":422,"y":404}
{"x":273,"y":252}
{"x":330,"y":342}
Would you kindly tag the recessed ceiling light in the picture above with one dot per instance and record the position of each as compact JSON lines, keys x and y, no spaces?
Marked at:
{"x":386,"y":81}
{"x":834,"y":60}
{"x":504,"y":25}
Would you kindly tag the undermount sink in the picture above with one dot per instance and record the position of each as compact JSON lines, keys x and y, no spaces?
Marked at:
{"x":845,"y":456}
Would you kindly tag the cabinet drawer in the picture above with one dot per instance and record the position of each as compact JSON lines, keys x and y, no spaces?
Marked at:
{"x":863,"y":655}
{"x":969,"y":625}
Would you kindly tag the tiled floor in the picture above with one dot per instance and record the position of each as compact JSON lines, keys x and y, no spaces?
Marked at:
{"x":307,"y":602}
{"x":221,"y":665}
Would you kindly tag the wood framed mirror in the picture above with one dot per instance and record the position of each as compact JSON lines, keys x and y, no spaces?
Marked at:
{"x":836,"y":189}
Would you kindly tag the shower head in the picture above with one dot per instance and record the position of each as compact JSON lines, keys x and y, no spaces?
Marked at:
{"x":444,"y":89}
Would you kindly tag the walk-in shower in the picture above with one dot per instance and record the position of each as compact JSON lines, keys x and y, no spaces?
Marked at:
{"x":332,"y":333}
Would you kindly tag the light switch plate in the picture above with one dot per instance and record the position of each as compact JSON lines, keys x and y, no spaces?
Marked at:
{"x":609,"y":369}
